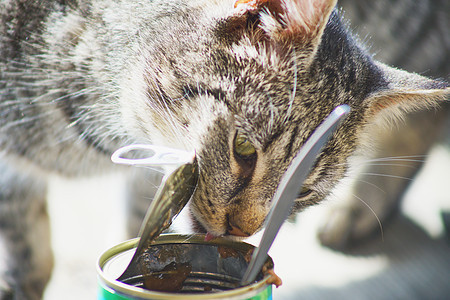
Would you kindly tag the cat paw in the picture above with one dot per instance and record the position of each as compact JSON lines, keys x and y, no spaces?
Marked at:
{"x":335,"y":231}
{"x":346,"y":226}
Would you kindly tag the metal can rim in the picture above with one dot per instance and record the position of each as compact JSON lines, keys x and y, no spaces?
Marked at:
{"x":176,"y":238}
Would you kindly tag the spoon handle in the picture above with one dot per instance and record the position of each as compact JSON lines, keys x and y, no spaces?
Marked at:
{"x":290,"y":184}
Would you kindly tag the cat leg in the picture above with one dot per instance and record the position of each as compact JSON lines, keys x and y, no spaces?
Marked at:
{"x":26,"y":258}
{"x":378,"y":187}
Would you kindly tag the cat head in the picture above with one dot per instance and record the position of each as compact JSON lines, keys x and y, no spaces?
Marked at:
{"x":245,"y":83}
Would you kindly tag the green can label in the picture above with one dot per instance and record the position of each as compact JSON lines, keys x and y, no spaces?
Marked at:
{"x":105,"y":293}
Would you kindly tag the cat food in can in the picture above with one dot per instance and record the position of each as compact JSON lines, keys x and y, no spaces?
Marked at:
{"x":183,"y":267}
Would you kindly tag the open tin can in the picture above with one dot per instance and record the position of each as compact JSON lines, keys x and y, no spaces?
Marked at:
{"x":214,"y":270}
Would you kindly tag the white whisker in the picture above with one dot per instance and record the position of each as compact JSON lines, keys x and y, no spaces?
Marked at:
{"x":401,"y":157}
{"x":373,"y":185}
{"x":387,"y":175}
{"x":378,"y":219}
{"x":368,"y":161}
{"x":154,"y":169}
{"x":391,"y":165}
{"x":294,"y":89}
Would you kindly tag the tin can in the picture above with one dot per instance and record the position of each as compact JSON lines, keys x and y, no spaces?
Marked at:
{"x":215,"y":271}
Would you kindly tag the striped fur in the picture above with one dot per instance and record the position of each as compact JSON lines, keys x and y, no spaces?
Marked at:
{"x":82,"y":78}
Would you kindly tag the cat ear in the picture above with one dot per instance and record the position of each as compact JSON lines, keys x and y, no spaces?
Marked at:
{"x":295,"y":20}
{"x":406,"y":92}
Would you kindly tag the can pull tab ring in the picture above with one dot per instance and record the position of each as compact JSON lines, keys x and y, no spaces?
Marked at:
{"x":154,"y":155}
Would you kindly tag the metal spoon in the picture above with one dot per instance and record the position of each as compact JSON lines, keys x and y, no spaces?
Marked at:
{"x":172,"y":196}
{"x":290,"y":184}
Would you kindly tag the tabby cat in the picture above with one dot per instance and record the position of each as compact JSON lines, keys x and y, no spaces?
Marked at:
{"x":243,"y":83}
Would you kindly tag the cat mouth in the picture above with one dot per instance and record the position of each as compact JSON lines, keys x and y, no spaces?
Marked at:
{"x":209,"y":236}
{"x":197,"y":227}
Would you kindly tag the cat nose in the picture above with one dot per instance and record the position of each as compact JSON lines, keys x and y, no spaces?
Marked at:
{"x":234,"y":229}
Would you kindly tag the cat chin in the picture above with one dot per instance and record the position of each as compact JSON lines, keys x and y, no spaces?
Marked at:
{"x":186,"y":223}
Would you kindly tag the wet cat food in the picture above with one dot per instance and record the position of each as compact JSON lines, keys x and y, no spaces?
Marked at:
{"x":183,"y":267}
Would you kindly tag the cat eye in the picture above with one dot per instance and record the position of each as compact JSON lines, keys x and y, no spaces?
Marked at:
{"x":304,"y":192}
{"x":243,"y":147}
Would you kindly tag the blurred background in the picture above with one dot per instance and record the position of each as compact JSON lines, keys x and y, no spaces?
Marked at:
{"x":412,"y":261}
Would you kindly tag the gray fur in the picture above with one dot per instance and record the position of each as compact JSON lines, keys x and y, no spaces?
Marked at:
{"x":78,"y":80}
